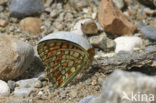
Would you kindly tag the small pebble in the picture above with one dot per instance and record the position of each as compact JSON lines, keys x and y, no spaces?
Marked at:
{"x":3,"y":23}
{"x":4,"y":89}
{"x":38,"y":84}
{"x":11,"y":84}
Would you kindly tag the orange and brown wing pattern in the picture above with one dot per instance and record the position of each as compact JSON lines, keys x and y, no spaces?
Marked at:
{"x":63,"y":60}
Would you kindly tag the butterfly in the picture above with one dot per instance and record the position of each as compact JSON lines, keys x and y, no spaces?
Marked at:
{"x":64,"y":55}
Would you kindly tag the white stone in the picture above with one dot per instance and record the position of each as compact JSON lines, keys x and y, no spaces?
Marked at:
{"x":101,"y":54}
{"x":4,"y":89}
{"x":25,"y":87}
{"x":128,"y":43}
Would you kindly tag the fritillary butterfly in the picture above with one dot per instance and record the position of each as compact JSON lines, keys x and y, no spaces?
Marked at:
{"x":64,"y":55}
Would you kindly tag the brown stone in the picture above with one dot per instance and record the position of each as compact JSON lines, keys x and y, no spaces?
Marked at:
{"x":112,"y":19}
{"x":31,"y":25}
{"x":3,"y":23}
{"x":89,"y":27}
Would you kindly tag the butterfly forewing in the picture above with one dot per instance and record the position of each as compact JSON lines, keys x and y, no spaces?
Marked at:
{"x":63,"y":60}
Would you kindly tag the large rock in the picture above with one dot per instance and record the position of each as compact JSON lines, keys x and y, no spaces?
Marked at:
{"x":125,"y":87}
{"x":31,"y":25}
{"x":112,"y":20}
{"x":128,"y":43}
{"x":4,"y":89}
{"x":16,"y":56}
{"x":22,"y":8}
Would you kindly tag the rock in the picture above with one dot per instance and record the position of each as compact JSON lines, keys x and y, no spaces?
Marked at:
{"x":22,"y":8}
{"x":2,"y":2}
{"x":42,"y":78}
{"x":149,"y":3}
{"x":86,"y":99}
{"x":24,"y":101}
{"x":1,"y":8}
{"x":140,"y":25}
{"x":74,"y":93}
{"x":4,"y":89}
{"x":112,"y":20}
{"x":141,"y":59}
{"x":83,"y":26}
{"x":31,"y":25}
{"x":54,"y":13}
{"x":149,"y":32}
{"x":101,"y":54}
{"x":102,"y":42}
{"x":16,"y":56}
{"x":77,"y":28}
{"x":38,"y":84}
{"x":150,"y":12}
{"x":128,"y":43}
{"x":119,"y":3}
{"x":10,"y":102}
{"x":25,"y":87}
{"x":127,"y":87}
{"x":78,"y":4}
{"x":11,"y":84}
{"x":150,"y":48}
{"x":89,"y":27}
{"x":3,"y":23}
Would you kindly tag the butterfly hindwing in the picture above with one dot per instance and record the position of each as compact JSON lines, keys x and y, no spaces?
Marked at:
{"x":63,"y":61}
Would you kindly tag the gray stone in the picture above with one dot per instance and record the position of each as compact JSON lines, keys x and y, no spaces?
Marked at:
{"x":25,"y":87}
{"x":24,"y":101}
{"x":150,"y":48}
{"x":78,"y":4}
{"x":10,"y":102}
{"x":54,"y":13}
{"x":16,"y":56}
{"x":149,"y":3}
{"x":149,"y":32}
{"x":1,"y":8}
{"x":127,"y":87}
{"x":4,"y":89}
{"x":11,"y":84}
{"x":102,"y":42}
{"x":119,"y":3}
{"x":22,"y":8}
{"x":86,"y":99}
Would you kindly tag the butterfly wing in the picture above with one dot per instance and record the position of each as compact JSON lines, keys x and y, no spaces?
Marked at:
{"x":63,"y":61}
